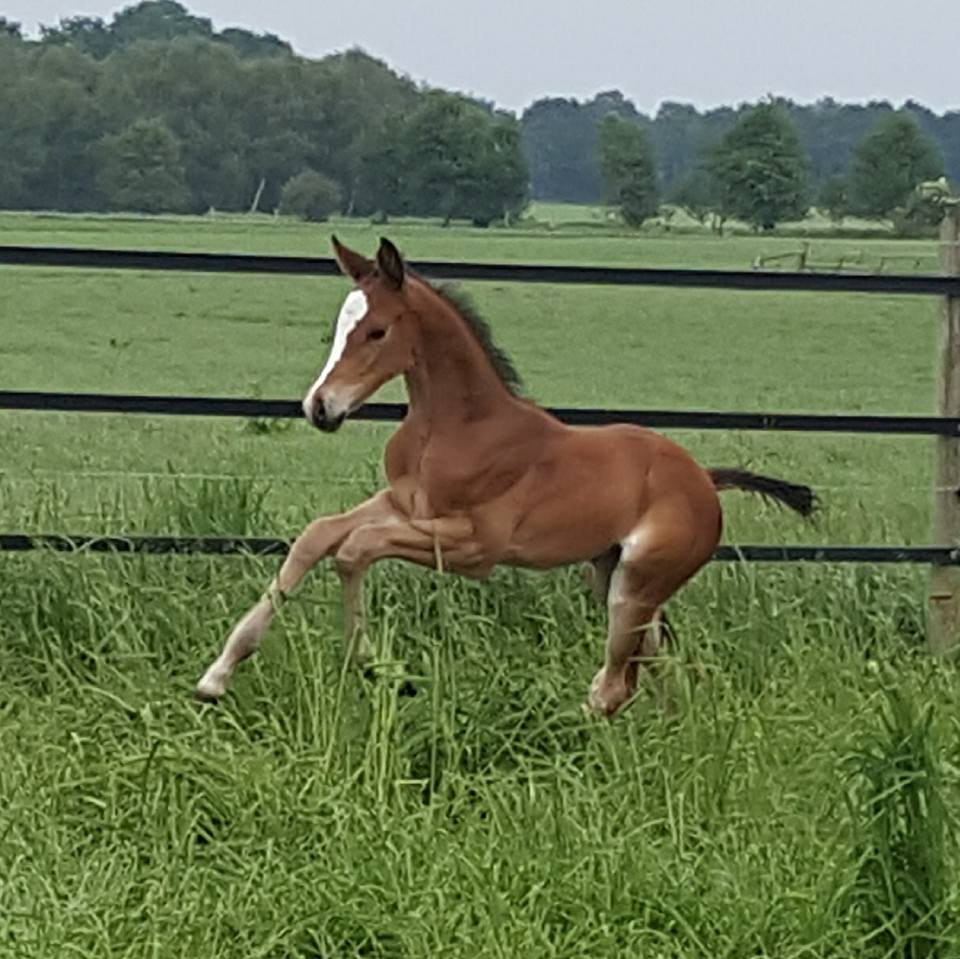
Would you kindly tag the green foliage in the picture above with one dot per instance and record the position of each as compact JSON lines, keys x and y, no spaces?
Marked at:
{"x":834,"y":198}
{"x":249,"y":44}
{"x":697,"y":194}
{"x":761,"y":169}
{"x":311,"y":196}
{"x":245,"y":111}
{"x":88,"y":35}
{"x":560,"y":139}
{"x":889,"y":163}
{"x":141,"y":169}
{"x":629,"y":171}
{"x":10,"y":28}
{"x":561,"y":143}
{"x":157,"y":20}
{"x":462,"y":160}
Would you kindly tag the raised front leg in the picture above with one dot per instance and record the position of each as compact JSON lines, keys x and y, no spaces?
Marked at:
{"x":444,"y":544}
{"x":323,"y":537}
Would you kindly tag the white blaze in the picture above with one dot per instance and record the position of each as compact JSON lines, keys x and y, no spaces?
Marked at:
{"x":354,"y":309}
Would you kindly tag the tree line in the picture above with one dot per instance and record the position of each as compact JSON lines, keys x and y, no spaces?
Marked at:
{"x":759,"y":172}
{"x":561,"y":138}
{"x":156,"y":110}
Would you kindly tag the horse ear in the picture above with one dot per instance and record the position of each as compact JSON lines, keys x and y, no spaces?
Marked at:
{"x":353,"y":264}
{"x":390,"y":263}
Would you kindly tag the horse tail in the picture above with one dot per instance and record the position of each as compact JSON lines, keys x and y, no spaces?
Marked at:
{"x":801,"y":499}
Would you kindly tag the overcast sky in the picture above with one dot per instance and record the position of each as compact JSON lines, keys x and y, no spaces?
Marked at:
{"x":706,"y":52}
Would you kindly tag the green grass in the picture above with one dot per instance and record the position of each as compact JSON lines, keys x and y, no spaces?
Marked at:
{"x":810,"y":754}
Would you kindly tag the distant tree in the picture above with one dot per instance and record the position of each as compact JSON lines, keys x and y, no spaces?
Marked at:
{"x":197,"y":87}
{"x":560,"y":142}
{"x":629,"y":172}
{"x":10,"y":28}
{"x":462,"y":160}
{"x":24,"y":142}
{"x":249,"y":44}
{"x":696,"y":194}
{"x":157,"y":20}
{"x":89,"y":35}
{"x":761,"y":168}
{"x":502,"y":187}
{"x":889,"y":163}
{"x":834,"y":198}
{"x":561,"y":151}
{"x":141,"y":169}
{"x":61,"y":92}
{"x":311,"y":196}
{"x":359,"y":98}
{"x":677,"y":133}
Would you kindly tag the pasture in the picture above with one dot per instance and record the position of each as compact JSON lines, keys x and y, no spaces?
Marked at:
{"x":314,"y":815}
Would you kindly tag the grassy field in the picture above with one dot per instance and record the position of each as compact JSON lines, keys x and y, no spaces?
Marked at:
{"x":795,"y":801}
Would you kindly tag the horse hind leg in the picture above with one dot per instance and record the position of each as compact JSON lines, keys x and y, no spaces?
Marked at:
{"x":651,"y":568}
{"x":599,"y":571}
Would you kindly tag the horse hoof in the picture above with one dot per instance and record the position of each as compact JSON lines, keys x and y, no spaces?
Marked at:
{"x":208,"y":693}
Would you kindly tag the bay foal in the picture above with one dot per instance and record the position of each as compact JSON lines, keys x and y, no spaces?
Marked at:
{"x":479,"y":476}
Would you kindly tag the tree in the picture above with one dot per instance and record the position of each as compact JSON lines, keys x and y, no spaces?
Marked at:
{"x":677,"y":132}
{"x":560,"y":141}
{"x":834,"y":198}
{"x":761,"y":168}
{"x":10,"y":28}
{"x":696,"y":194}
{"x":629,"y":172}
{"x":141,"y":169}
{"x":196,"y":87}
{"x":89,"y":35}
{"x":462,"y":160}
{"x":249,"y":44}
{"x":157,"y":20}
{"x":311,"y":196}
{"x":889,"y":163}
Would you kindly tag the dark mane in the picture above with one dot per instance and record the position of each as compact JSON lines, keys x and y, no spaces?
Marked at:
{"x":499,"y":360}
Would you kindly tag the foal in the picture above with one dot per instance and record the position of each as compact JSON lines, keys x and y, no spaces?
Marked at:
{"x":478,"y":476}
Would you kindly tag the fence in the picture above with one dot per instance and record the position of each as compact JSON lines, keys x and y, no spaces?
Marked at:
{"x":944,"y":559}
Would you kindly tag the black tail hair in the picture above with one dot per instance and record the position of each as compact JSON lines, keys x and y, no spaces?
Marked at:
{"x":801,"y":499}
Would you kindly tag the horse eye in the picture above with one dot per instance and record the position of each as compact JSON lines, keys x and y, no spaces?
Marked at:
{"x":376,"y":334}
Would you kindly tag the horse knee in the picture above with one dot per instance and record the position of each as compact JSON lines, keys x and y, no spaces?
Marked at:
{"x":350,"y":559}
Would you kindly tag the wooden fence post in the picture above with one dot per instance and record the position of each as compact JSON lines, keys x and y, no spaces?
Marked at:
{"x":944,"y":616}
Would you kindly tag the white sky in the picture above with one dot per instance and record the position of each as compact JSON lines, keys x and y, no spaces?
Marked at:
{"x":706,"y":52}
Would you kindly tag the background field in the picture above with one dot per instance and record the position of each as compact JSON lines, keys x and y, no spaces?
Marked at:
{"x":311,"y":815}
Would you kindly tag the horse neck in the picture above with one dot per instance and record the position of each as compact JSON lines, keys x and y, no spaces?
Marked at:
{"x":453,"y":382}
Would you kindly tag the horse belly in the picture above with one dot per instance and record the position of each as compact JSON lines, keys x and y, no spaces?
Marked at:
{"x":571,"y":528}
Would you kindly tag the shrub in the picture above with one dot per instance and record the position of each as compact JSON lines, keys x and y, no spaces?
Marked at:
{"x":310,"y":196}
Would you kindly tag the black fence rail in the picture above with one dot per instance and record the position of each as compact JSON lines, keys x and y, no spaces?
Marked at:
{"x":160,"y":405}
{"x":275,"y":546}
{"x":148,"y":260}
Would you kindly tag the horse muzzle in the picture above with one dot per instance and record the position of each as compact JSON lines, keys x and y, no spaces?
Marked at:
{"x":328,"y":424}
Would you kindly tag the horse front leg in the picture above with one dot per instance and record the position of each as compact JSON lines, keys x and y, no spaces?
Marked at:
{"x":323,"y":537}
{"x":444,"y":544}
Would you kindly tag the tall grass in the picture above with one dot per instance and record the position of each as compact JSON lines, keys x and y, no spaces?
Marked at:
{"x":904,"y":831}
{"x":315,"y":813}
